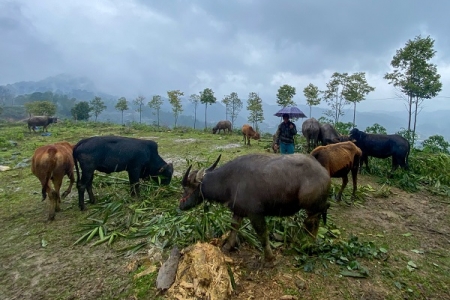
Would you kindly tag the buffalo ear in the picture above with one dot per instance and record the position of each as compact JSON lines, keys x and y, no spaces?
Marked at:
{"x":185,"y":177}
{"x":214,"y":164}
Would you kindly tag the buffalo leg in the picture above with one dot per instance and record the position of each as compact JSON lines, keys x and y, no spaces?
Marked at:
{"x":259,"y":224}
{"x":133,"y":176}
{"x":355,"y":182}
{"x":69,"y":189}
{"x":53,"y":197}
{"x":57,"y":182}
{"x":231,"y":240}
{"x":311,"y":223}
{"x":89,"y":190}
{"x":344,"y":184}
{"x":85,"y":183}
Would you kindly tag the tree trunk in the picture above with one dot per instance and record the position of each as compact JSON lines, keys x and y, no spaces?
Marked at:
{"x":415,"y":120}
{"x":140,"y":114}
{"x":122,"y":117}
{"x":195,"y":115}
{"x":157,"y":115}
{"x":354,"y":114}
{"x":409,"y":112}
{"x":310,"y":115}
{"x":206,"y":107}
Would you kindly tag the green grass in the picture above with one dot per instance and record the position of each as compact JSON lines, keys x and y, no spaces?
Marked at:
{"x":132,"y":225}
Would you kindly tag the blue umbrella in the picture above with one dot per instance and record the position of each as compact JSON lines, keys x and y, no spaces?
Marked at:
{"x":292,"y":111}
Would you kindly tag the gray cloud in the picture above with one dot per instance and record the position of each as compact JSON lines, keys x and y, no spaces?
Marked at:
{"x":149,"y":47}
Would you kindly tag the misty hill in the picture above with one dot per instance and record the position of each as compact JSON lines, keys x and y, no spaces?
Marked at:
{"x":83,"y":89}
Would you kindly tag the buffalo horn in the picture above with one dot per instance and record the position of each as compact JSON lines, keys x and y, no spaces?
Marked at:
{"x":200,"y":174}
{"x":185,"y":177}
{"x":214,"y":164}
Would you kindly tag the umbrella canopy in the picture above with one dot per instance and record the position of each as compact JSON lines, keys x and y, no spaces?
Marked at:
{"x":292,"y":111}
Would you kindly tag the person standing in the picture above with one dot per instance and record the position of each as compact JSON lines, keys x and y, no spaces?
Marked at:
{"x":286,"y":132}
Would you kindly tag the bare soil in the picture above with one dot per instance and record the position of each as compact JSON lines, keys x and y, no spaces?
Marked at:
{"x":38,"y":259}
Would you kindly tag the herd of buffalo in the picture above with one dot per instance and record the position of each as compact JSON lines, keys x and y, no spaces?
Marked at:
{"x":252,"y":186}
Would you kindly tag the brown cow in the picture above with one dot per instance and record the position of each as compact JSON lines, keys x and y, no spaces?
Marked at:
{"x":53,"y":162}
{"x":43,"y":121}
{"x":248,"y":133}
{"x":339,"y":159}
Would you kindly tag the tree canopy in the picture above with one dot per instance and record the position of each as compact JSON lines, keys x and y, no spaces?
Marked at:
{"x":207,"y":97}
{"x":254,"y":106}
{"x":285,"y":95}
{"x":81,"y":111}
{"x":139,"y":102}
{"x":40,"y":108}
{"x":97,"y":106}
{"x":175,"y":101}
{"x":414,"y":75}
{"x":121,"y":105}
{"x":312,"y":95}
{"x":155,"y":104}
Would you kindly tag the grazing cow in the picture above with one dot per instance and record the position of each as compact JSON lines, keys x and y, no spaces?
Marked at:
{"x":248,"y":133}
{"x":222,"y":125}
{"x":339,"y":159}
{"x":382,"y":146}
{"x":275,"y":147}
{"x":311,"y":130}
{"x":329,"y":135}
{"x":109,"y":154}
{"x":43,"y":121}
{"x":259,"y":185}
{"x":52,"y":162}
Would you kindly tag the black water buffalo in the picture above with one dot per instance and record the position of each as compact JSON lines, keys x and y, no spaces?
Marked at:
{"x":311,"y":130}
{"x":259,"y":185}
{"x":222,"y":125}
{"x":329,"y":135}
{"x":382,"y":146}
{"x":43,"y":121}
{"x":109,"y":154}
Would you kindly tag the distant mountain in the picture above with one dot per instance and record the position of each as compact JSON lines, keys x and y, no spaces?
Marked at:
{"x":83,"y":89}
{"x":80,"y":88}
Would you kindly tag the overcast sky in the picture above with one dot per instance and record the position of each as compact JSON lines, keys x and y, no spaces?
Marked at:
{"x":132,"y":47}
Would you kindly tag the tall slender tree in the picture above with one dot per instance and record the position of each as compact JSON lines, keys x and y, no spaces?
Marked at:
{"x":155,"y":104}
{"x":207,"y":97}
{"x":139,"y":102}
{"x":226,"y":102}
{"x":97,"y":106}
{"x":175,"y":101}
{"x":356,"y":90}
{"x":285,"y":95}
{"x":234,"y":107}
{"x":312,"y":95}
{"x":195,"y":99}
{"x":254,"y":105}
{"x":334,"y":96}
{"x":121,"y":105}
{"x":414,"y":76}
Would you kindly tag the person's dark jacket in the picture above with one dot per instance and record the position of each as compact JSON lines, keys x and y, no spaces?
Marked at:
{"x":286,"y":134}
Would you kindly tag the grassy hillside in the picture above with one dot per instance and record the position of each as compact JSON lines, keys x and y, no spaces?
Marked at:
{"x":390,"y":244}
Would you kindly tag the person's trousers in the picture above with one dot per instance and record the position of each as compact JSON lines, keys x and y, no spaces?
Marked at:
{"x":286,"y":148}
